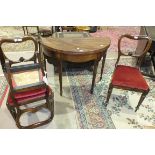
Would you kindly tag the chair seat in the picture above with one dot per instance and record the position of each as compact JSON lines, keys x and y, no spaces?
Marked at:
{"x":129,"y":77}
{"x":28,"y":95}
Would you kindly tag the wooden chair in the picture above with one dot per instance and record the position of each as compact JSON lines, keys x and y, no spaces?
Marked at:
{"x":25,"y":98}
{"x":129,"y":77}
{"x":37,"y":30}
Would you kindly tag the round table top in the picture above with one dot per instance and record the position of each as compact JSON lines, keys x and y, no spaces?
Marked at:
{"x":76,"y":45}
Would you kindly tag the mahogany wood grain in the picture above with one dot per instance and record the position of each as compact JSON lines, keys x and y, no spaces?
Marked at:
{"x":77,"y":49}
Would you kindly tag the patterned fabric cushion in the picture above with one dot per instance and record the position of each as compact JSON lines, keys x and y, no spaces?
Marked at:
{"x":131,"y":77}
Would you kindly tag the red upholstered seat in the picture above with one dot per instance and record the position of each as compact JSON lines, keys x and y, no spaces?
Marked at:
{"x":29,"y":95}
{"x":126,"y":76}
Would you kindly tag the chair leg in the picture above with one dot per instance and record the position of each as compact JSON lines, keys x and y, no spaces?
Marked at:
{"x":50,"y":102}
{"x":141,"y":99}
{"x":45,"y":65}
{"x":12,"y":111}
{"x":109,"y":93}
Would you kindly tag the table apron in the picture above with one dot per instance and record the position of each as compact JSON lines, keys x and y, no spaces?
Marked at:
{"x":79,"y":58}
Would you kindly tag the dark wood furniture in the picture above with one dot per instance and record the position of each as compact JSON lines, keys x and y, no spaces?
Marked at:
{"x":68,"y":28}
{"x":129,"y":77}
{"x":76,"y":49}
{"x":38,"y":31}
{"x":148,"y":31}
{"x":52,"y":59}
{"x":22,"y":95}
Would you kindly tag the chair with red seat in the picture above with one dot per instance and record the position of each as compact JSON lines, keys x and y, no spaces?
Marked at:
{"x":129,"y":77}
{"x":28,"y":92}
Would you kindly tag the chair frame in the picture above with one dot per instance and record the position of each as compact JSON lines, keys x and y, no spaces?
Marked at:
{"x":40,"y":32}
{"x":8,"y":69}
{"x":139,"y":57}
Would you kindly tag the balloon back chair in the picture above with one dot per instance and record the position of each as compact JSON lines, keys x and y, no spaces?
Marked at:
{"x":29,"y":92}
{"x":129,"y":77}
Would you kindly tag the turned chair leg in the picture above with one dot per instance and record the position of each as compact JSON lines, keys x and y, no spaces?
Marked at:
{"x":109,"y":93}
{"x":141,"y":99}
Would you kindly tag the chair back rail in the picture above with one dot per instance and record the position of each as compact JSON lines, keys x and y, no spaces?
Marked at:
{"x":141,"y":54}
